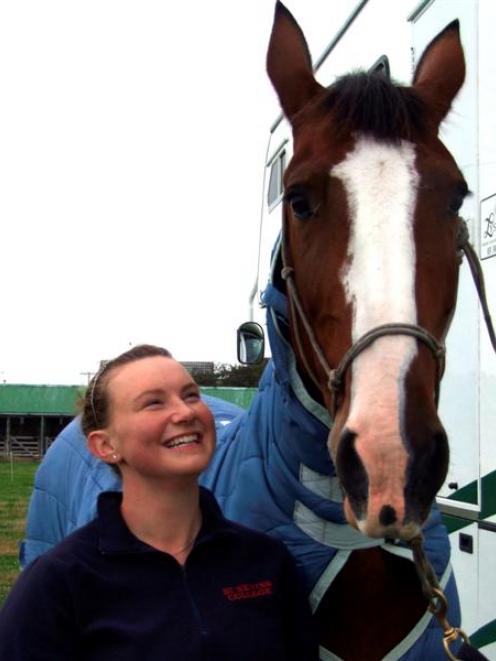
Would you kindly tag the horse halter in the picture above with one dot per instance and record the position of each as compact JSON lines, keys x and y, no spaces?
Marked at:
{"x":336,"y":376}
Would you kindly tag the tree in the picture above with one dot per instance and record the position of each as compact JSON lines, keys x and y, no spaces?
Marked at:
{"x":226,"y":375}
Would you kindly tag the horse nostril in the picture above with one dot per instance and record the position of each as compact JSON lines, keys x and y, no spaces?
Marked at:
{"x":352,"y":473}
{"x":387,"y":515}
{"x":426,"y":472}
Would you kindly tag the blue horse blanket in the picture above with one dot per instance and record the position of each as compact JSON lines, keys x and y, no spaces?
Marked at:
{"x":271,"y":471}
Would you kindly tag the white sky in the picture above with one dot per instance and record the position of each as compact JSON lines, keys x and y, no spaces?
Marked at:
{"x":132,"y":144}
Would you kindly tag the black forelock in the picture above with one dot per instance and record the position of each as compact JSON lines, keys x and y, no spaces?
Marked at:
{"x":371,"y":104}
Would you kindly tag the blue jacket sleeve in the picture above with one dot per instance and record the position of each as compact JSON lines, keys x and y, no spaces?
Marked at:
{"x":224,"y":412}
{"x":66,"y":488}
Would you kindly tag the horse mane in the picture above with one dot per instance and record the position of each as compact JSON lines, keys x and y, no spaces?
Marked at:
{"x":370,"y":103}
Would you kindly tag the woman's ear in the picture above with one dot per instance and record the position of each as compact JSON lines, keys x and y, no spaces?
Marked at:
{"x":101,"y":446}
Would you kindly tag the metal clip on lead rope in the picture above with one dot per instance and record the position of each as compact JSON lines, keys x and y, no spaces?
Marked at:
{"x":438,"y":603}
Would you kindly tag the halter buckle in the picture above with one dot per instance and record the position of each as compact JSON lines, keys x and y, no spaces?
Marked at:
{"x":335,"y":382}
{"x":287,"y":272}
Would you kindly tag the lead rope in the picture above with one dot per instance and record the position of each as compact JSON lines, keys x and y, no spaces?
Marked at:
{"x":438,"y":604}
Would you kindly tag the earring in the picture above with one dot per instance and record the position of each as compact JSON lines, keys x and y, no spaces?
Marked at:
{"x":114,"y":457}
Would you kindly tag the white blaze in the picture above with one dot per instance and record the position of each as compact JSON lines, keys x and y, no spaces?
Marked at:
{"x":381,"y":182}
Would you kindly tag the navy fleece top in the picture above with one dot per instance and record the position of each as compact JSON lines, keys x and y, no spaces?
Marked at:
{"x":103,"y":594}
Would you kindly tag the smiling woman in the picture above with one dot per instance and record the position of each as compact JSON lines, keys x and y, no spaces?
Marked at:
{"x":140,"y":403}
{"x":159,"y":569}
{"x":143,"y":415}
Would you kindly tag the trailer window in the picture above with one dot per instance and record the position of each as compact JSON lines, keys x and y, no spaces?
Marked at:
{"x":274,"y":193}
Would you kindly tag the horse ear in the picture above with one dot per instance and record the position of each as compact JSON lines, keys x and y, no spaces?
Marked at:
{"x":441,"y":71}
{"x":289,"y":64}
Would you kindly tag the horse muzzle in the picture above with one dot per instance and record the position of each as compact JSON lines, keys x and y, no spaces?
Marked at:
{"x":386,"y":493}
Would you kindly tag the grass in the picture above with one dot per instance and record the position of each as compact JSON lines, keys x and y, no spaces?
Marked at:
{"x":16,"y":483}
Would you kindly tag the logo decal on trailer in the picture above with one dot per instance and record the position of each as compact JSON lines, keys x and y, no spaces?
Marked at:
{"x":488,"y":227}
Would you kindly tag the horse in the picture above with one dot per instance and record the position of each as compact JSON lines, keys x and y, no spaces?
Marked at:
{"x":341,"y":452}
{"x":368,"y":263}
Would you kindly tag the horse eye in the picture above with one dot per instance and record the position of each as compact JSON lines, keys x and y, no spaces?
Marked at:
{"x":299,"y":205}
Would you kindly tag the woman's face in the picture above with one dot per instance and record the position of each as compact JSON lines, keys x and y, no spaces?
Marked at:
{"x":159,"y":426}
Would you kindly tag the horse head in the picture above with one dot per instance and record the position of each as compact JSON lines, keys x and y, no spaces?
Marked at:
{"x":371,"y":262}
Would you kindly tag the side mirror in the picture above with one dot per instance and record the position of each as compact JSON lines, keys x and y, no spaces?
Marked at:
{"x":251,"y":343}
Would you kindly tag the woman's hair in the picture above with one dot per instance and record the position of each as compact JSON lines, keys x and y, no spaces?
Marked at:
{"x":95,"y":408}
